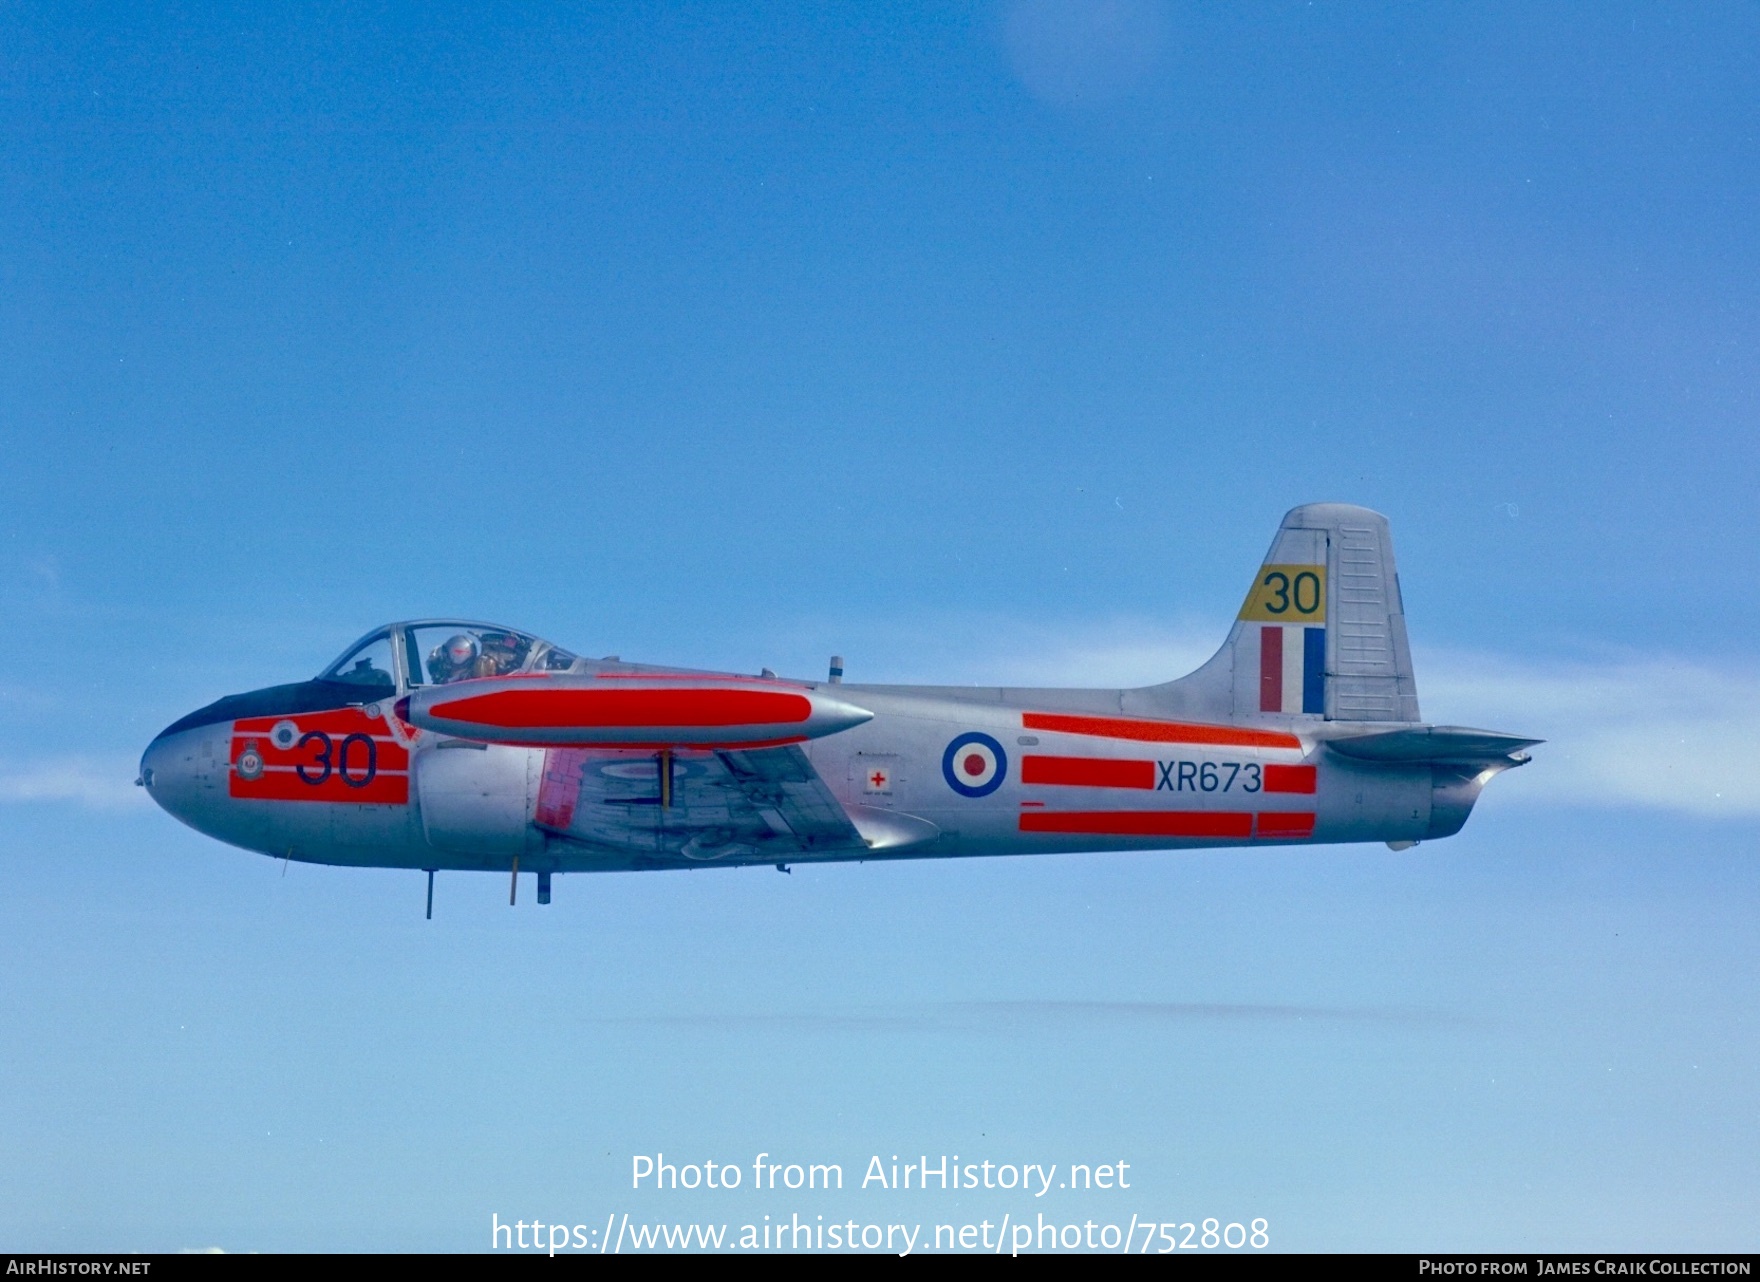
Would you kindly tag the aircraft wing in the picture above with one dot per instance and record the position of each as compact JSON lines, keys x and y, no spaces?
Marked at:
{"x":749,"y":804}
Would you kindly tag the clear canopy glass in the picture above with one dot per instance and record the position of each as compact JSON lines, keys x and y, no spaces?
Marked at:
{"x":423,"y":652}
{"x":370,"y":664}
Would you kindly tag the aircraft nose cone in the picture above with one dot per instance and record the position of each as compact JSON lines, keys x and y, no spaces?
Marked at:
{"x":156,"y":766}
{"x":184,"y":771}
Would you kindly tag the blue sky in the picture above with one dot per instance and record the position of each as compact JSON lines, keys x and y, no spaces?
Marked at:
{"x":976,"y":341}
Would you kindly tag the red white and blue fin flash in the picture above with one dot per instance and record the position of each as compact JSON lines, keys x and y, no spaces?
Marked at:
{"x":1292,"y":669}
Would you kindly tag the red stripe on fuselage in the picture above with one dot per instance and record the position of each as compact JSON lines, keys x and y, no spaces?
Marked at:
{"x":599,"y":709}
{"x":1290,"y":779}
{"x":1141,"y":823}
{"x":281,"y":784}
{"x":1158,"y":731}
{"x":334,"y":721}
{"x":346,"y":755}
{"x":1286,"y":823}
{"x":1229,"y":825}
{"x":1088,"y":772}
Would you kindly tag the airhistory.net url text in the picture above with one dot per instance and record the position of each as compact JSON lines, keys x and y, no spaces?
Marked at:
{"x":620,"y":1234}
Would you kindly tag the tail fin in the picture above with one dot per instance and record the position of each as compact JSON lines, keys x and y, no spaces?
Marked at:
{"x":1322,"y":634}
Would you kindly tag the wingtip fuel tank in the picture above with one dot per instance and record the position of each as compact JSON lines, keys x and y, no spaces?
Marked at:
{"x":634,"y":711}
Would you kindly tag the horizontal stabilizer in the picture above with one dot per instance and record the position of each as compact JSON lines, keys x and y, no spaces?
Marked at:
{"x":1451,"y":744}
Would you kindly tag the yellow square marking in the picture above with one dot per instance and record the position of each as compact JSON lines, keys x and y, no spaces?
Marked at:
{"x":1287,"y":594}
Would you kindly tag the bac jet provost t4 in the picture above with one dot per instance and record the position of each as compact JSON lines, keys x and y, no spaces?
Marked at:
{"x":457,"y":745}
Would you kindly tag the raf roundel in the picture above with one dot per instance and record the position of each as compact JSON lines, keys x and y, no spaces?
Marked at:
{"x":974,"y":765}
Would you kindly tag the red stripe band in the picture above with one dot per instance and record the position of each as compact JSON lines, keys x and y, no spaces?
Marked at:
{"x":1142,"y":823}
{"x":1290,"y":779}
{"x":1235,"y":825}
{"x":382,"y":790}
{"x":1286,"y":824}
{"x":1089,"y":772}
{"x":1158,"y":731}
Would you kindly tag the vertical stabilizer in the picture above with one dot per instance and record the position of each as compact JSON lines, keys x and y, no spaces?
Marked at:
{"x":1322,"y":633}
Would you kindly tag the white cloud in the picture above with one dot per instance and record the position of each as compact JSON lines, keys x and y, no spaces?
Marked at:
{"x":92,"y":782}
{"x":1664,"y":732}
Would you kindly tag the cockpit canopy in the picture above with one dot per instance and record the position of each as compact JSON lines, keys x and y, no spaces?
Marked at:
{"x":391,"y":661}
{"x":404,"y":656}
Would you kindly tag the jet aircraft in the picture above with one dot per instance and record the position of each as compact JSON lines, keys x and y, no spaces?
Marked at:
{"x":447,"y":744}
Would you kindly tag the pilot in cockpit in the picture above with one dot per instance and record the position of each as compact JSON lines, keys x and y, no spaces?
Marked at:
{"x":470,"y":654}
{"x":456,"y":660}
{"x":465,"y":656}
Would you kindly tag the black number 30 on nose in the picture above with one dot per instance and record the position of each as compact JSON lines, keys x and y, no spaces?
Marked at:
{"x":337,"y":757}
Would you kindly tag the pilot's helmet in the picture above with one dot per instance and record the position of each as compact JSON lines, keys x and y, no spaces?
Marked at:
{"x":461,"y":650}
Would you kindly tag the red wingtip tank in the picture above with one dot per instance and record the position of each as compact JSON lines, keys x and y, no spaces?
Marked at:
{"x":634,"y":711}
